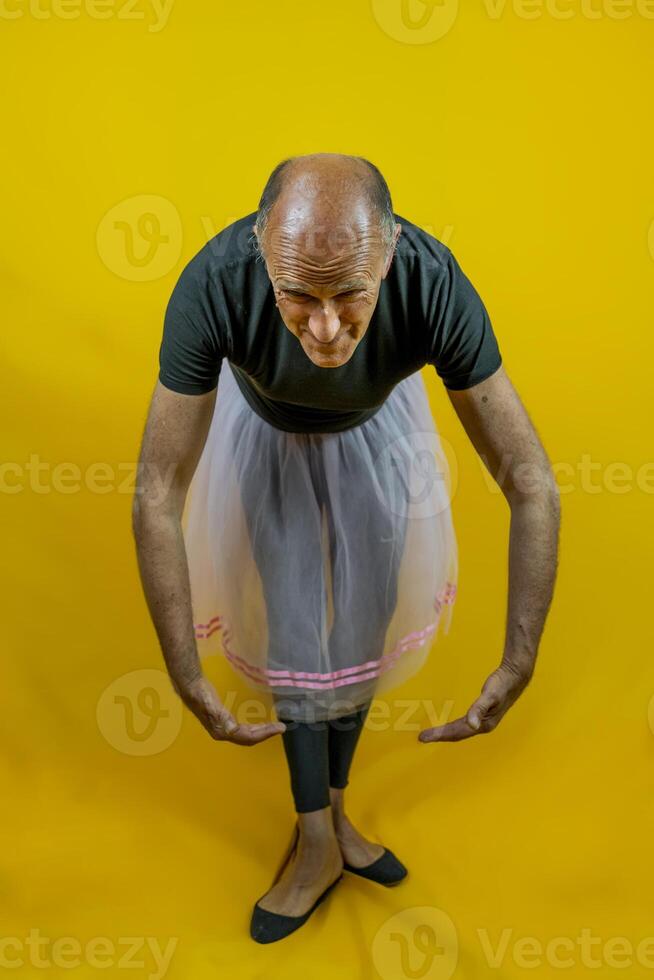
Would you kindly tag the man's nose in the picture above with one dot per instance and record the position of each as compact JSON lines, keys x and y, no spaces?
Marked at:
{"x":324,"y":323}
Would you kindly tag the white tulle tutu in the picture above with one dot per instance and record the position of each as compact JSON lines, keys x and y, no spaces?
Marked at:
{"x":321,"y":565}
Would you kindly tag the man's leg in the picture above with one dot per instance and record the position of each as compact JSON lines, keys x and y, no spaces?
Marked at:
{"x":344,"y":735}
{"x":284,"y":525}
{"x":316,"y":860}
{"x":307,"y":755}
{"x":367,"y":538}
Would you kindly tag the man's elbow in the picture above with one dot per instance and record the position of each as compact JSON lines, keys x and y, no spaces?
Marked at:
{"x":137,"y":516}
{"x":534,"y":482}
{"x":141,"y":518}
{"x":155,"y":507}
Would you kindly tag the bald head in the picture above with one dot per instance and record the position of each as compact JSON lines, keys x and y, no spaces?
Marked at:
{"x":326,"y":199}
{"x":327,"y":234}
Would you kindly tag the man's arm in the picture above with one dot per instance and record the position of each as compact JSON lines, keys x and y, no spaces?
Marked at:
{"x":500,"y":430}
{"x":175,"y":434}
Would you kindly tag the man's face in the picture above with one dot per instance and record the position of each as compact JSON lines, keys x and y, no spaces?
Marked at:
{"x":326,"y":284}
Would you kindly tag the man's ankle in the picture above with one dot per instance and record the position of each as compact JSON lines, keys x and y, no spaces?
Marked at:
{"x":317,"y":825}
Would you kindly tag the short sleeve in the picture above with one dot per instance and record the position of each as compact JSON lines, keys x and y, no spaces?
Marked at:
{"x":190,"y":354}
{"x":463,"y":345}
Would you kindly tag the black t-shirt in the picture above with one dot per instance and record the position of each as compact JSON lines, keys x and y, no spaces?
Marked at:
{"x":223,"y":306}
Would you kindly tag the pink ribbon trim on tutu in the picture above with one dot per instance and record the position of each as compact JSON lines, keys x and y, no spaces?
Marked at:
{"x":334,"y":678}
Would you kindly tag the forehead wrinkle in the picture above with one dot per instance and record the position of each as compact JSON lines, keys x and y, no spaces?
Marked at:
{"x":293,"y":232}
{"x":325,"y":268}
{"x":292,"y":256}
{"x":321,"y":275}
{"x":341,"y":286}
{"x":322,"y":241}
{"x":351,"y":261}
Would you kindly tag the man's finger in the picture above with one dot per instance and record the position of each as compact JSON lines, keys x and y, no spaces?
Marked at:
{"x":453,"y":731}
{"x":479,"y":709}
{"x":265,"y":730}
{"x":228,"y":723}
{"x":253,"y":734}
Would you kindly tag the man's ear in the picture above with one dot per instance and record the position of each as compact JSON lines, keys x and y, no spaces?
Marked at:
{"x":391,"y":251}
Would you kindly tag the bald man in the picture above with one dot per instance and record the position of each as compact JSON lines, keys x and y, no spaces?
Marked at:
{"x":289,"y":363}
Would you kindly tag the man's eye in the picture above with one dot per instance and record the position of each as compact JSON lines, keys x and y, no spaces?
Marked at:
{"x":298,"y":297}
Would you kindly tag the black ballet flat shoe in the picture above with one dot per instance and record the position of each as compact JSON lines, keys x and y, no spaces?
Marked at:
{"x":386,"y":870}
{"x":269,"y":927}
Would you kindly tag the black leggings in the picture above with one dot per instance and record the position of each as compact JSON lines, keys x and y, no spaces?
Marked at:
{"x":319,"y":755}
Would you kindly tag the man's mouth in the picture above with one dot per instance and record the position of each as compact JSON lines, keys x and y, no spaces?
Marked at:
{"x":325,"y":345}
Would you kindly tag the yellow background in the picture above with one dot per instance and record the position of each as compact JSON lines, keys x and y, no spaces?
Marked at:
{"x":525,"y":141}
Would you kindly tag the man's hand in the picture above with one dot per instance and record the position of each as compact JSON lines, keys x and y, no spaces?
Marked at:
{"x":502,"y":688}
{"x":201,"y":697}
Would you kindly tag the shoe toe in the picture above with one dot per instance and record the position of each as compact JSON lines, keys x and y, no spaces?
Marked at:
{"x":386,"y":870}
{"x":391,"y":870}
{"x":268,"y":927}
